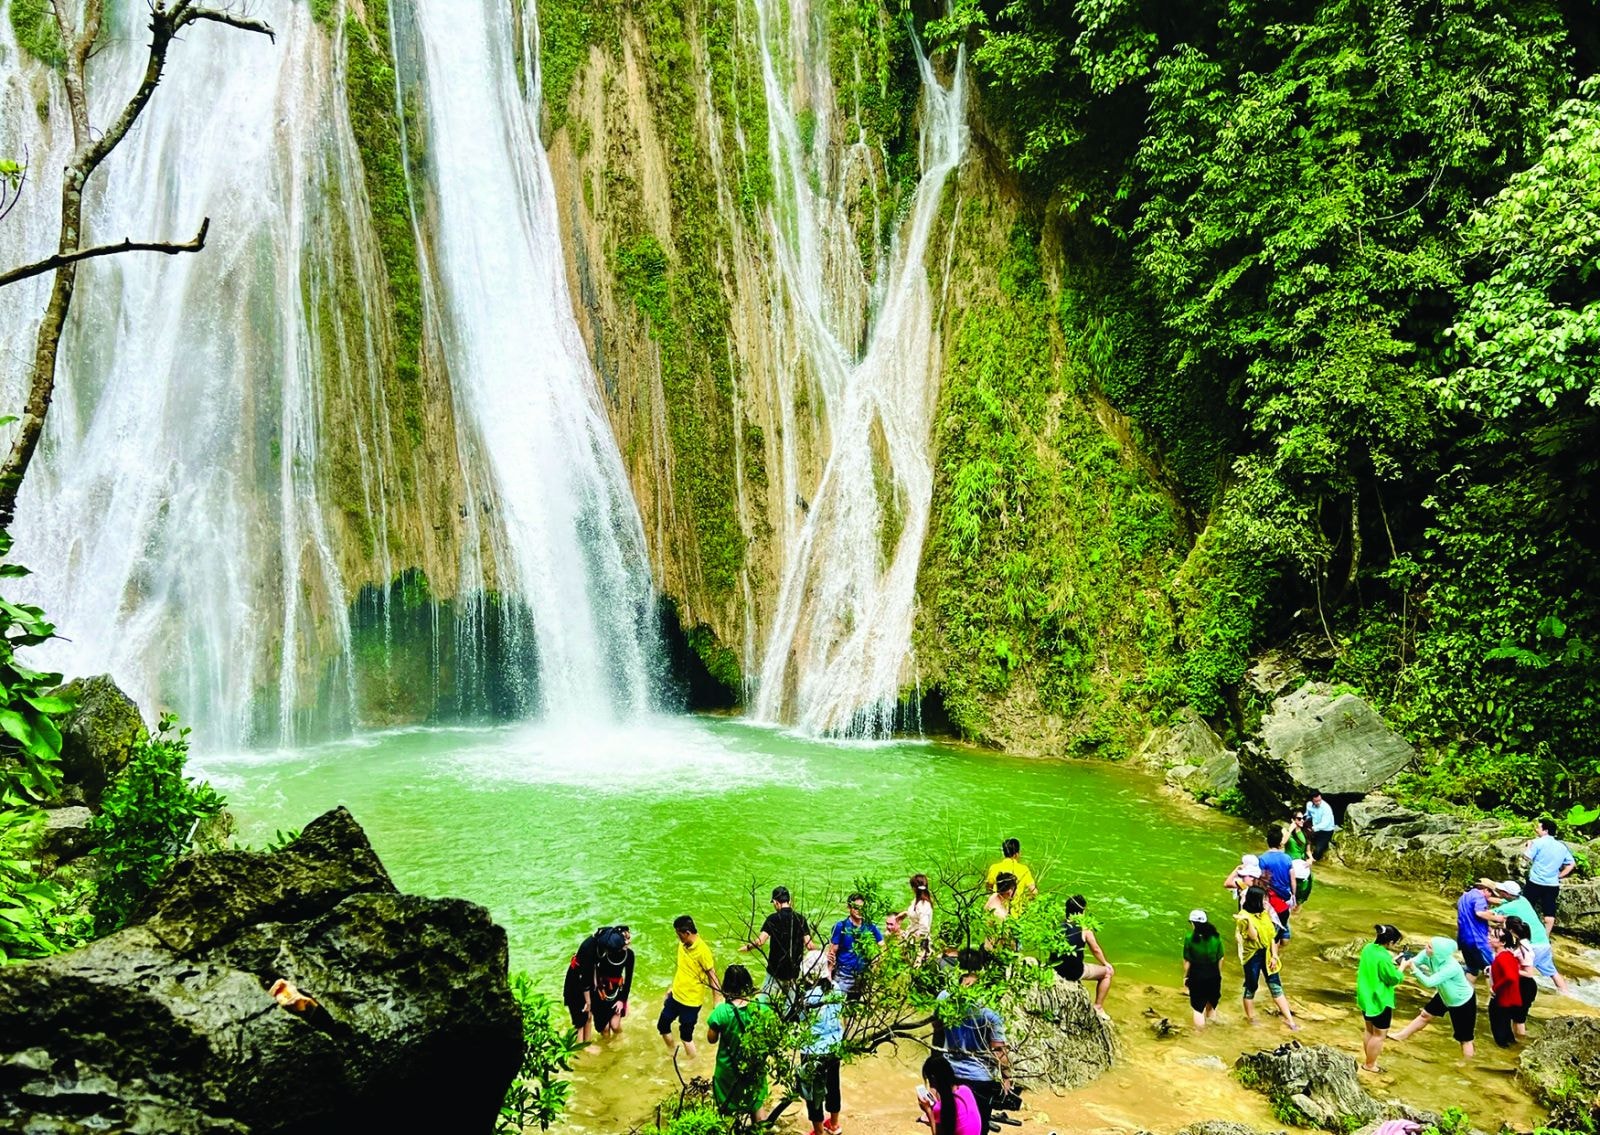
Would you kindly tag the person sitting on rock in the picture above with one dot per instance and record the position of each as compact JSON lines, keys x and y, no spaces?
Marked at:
{"x":1319,"y":814}
{"x":1071,"y":965}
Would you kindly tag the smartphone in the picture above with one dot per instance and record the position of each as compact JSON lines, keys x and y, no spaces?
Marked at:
{"x":924,"y":1094}
{"x":1405,"y":955}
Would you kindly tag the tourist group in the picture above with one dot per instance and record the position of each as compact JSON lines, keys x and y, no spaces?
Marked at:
{"x":1504,"y":930}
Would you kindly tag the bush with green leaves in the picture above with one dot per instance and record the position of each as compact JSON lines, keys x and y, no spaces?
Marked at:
{"x":148,"y":818}
{"x":540,"y":1092}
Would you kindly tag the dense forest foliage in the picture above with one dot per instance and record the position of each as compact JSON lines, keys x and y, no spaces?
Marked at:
{"x":1337,"y":261}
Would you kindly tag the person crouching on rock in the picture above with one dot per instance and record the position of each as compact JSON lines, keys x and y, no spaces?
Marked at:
{"x":1437,"y":968}
{"x":1377,"y":977}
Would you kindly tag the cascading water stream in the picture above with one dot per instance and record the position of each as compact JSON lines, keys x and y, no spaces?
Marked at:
{"x":171,"y":510}
{"x":179,"y":511}
{"x":839,"y":650}
{"x":567,"y":539}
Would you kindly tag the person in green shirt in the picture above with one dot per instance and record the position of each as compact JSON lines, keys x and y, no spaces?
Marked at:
{"x":1377,"y":976}
{"x":1202,"y":967}
{"x":736,"y":1027}
{"x":1518,"y":906}
{"x":1437,"y":968}
{"x":1297,"y":843}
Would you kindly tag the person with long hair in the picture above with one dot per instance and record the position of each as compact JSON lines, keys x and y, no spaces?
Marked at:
{"x":949,"y":1107}
{"x":1257,"y":938}
{"x":1517,"y":937}
{"x":916,"y":921}
{"x":1071,"y":964}
{"x":1202,"y":968}
{"x":736,"y":1027}
{"x":1377,"y":977}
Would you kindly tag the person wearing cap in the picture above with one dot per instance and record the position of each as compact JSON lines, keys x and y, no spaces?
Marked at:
{"x":1518,"y":906}
{"x":1549,"y":861}
{"x":1474,"y":916}
{"x":1243,"y":877}
{"x":1202,"y":968}
{"x":1453,"y":994}
{"x":1377,"y":977}
{"x":1320,"y":814}
{"x":787,"y":936}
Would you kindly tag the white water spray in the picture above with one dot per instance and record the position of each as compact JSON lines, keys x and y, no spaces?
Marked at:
{"x":839,"y":650}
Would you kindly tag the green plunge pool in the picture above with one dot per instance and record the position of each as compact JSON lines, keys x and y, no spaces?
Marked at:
{"x":559,"y":832}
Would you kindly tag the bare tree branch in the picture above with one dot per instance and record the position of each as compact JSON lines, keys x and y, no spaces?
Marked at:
{"x":166,"y":20}
{"x":61,"y":259}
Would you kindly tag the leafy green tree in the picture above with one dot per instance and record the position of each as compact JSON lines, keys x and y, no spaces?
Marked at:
{"x":540,"y":1092}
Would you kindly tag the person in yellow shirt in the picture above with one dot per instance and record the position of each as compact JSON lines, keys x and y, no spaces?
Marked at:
{"x":695,"y":977}
{"x":1011,"y":848}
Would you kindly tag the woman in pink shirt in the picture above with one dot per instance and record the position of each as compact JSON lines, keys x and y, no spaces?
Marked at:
{"x":950,"y":1107}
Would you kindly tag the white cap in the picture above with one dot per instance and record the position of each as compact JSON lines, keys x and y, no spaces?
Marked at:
{"x":1249,"y":865}
{"x":1197,"y":916}
{"x":1509,"y":887}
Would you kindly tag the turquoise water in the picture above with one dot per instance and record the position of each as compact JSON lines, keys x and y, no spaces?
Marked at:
{"x":557,"y":833}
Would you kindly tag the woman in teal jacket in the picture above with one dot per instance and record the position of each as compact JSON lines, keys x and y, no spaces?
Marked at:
{"x":1437,"y":968}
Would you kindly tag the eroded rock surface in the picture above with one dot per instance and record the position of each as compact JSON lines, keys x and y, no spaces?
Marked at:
{"x":1334,"y":742}
{"x":1320,"y":1080}
{"x":1560,"y":1066}
{"x":167,"y":1025}
{"x":99,"y":736}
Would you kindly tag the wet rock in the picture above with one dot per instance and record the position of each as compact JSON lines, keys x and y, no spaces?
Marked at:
{"x":99,"y":736}
{"x":1314,"y":738}
{"x":167,"y":1025}
{"x":1220,"y":1127}
{"x":1320,"y":1081}
{"x":1059,"y":1038}
{"x":1560,"y":1066}
{"x":1191,"y":755}
{"x":67,"y":833}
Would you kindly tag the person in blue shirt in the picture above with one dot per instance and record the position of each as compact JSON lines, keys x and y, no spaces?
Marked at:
{"x":1473,"y":919}
{"x":1549,"y":861}
{"x":843,"y":956}
{"x":1319,"y":813}
{"x":1277,"y":871}
{"x":818,"y":1080}
{"x":976,"y":1046}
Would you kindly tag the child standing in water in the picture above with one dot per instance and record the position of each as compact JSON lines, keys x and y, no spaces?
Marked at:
{"x":1202,"y":968}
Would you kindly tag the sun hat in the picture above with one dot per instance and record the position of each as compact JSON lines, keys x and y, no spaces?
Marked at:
{"x":1509,"y":887}
{"x":1197,"y":916}
{"x":1249,"y":865}
{"x":1486,"y":883}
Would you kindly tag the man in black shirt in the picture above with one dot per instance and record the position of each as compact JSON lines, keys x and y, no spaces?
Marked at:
{"x":787,"y":937}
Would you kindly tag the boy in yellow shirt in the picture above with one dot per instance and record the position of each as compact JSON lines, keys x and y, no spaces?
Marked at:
{"x":695,"y":976}
{"x":1011,"y":848}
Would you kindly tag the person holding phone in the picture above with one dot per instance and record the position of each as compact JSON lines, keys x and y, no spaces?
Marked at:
{"x":948,"y":1106}
{"x":1377,"y":977}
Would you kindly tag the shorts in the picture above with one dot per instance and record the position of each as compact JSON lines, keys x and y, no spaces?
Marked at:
{"x":1070,"y":968}
{"x":1543,"y":896}
{"x":1205,"y":989}
{"x":1255,"y":968}
{"x":1544,"y":960}
{"x":604,"y":1011}
{"x":685,"y":1015}
{"x":1463,"y":1017}
{"x":1476,"y":957}
{"x":1382,"y":1021}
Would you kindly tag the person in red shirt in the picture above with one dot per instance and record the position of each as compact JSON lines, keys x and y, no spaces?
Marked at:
{"x":1505,"y":977}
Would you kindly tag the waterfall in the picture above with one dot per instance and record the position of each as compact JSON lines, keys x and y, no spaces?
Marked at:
{"x":838,"y":652}
{"x":171,"y":511}
{"x":567,"y":538}
{"x":179,"y":511}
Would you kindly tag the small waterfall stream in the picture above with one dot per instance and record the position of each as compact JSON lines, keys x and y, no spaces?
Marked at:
{"x":838,"y":653}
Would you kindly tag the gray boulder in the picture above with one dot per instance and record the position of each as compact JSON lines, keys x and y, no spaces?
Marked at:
{"x":1560,"y":1067}
{"x":1338,"y":743}
{"x":1191,"y":755}
{"x":1320,"y":1081}
{"x":167,"y":1025}
{"x":1058,"y":1037}
{"x":99,"y":736}
{"x":67,"y":833}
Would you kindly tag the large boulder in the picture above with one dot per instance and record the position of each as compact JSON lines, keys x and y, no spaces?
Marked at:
{"x":167,"y":1025}
{"x":97,"y":737}
{"x":1058,"y":1035}
{"x":1320,"y":1081}
{"x":1191,"y":756}
{"x":1560,"y":1066}
{"x":1314,"y":738}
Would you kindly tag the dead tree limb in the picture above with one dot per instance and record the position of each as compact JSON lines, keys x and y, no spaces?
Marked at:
{"x":90,"y":149}
{"x":62,"y":259}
